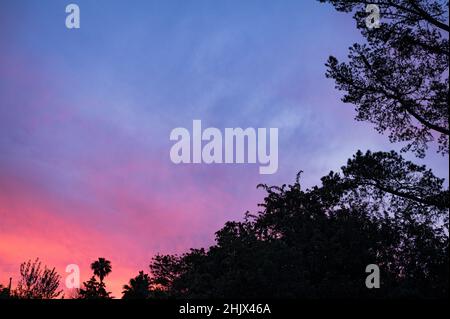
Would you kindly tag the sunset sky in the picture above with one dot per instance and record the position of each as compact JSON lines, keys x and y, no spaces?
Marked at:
{"x":85,"y":119}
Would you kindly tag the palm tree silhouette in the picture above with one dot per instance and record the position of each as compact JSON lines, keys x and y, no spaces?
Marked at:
{"x":138,"y":288}
{"x":101,"y":268}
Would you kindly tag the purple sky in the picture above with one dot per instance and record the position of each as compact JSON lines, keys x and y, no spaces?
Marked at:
{"x":85,"y":118}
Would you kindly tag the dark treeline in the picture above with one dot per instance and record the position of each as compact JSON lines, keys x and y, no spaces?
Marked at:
{"x":317,"y":242}
{"x":306,"y":243}
{"x":379,"y":209}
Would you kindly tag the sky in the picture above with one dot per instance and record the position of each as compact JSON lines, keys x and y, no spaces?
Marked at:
{"x":86,"y":115}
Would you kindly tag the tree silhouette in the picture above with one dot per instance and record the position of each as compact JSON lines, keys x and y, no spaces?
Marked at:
{"x":165,"y":269}
{"x":317,"y":242}
{"x":4,"y":292}
{"x":93,"y":290}
{"x":385,"y":174}
{"x":398,"y":78}
{"x":37,"y":282}
{"x":101,"y":268}
{"x":138,"y":287}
